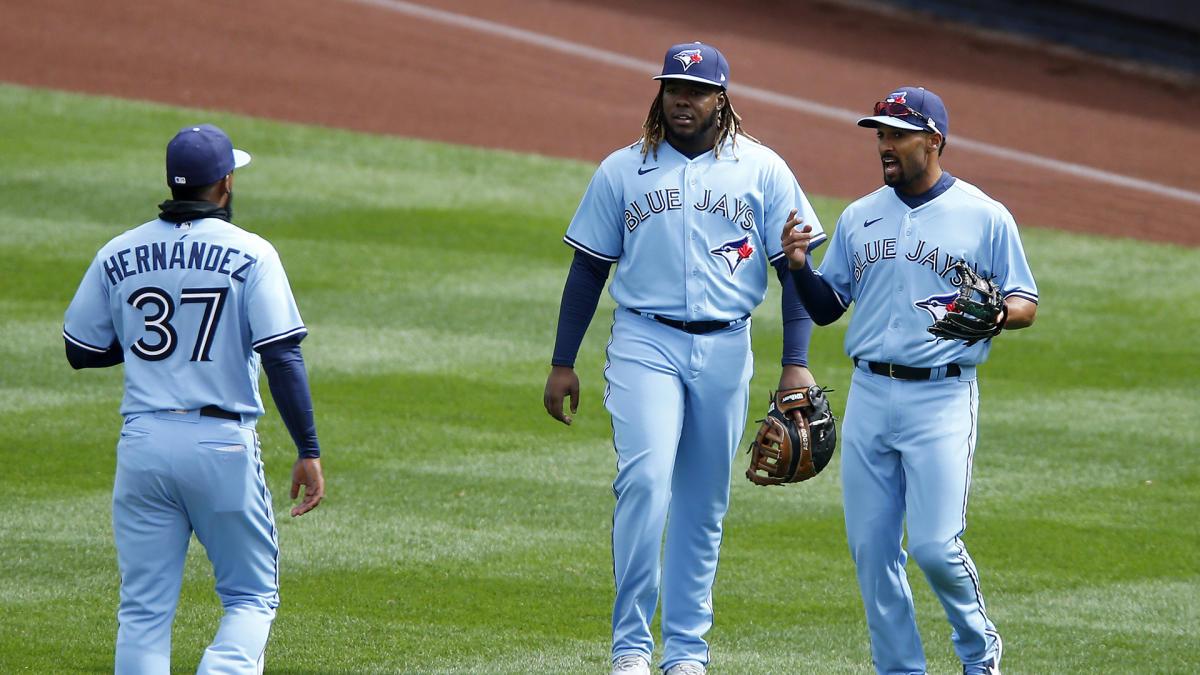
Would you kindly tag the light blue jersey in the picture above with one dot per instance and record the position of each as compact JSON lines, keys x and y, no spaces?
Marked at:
{"x":909,"y":431}
{"x":186,"y":302}
{"x":891,"y":261}
{"x":692,"y":237}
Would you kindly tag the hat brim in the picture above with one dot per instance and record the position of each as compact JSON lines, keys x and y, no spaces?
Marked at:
{"x":240,"y":158}
{"x":895,"y":122}
{"x":690,"y":78}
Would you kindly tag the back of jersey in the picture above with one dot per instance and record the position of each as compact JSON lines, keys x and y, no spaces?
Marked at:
{"x":188,"y":303}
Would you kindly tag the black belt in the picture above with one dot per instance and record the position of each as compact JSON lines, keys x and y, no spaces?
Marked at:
{"x":214,"y":411}
{"x":906,"y":373}
{"x":693,"y":327}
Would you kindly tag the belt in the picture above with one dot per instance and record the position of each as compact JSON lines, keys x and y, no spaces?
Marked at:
{"x":214,"y":411}
{"x":692,"y":327}
{"x":906,"y":373}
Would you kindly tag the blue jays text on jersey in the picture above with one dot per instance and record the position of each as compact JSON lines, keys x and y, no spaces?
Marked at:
{"x":736,"y":210}
{"x":921,"y":253}
{"x":906,"y":253}
{"x":692,"y":236}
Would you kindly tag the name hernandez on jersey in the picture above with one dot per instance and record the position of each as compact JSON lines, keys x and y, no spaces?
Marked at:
{"x":185,"y":301}
{"x":194,"y":255}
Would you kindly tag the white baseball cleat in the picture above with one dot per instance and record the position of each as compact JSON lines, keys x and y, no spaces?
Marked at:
{"x":686,"y":668}
{"x":631,"y":664}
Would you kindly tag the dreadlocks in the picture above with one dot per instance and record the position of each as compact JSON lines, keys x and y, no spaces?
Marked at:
{"x":654,"y":129}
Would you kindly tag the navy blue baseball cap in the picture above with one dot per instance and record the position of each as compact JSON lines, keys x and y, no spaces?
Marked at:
{"x":911,"y":108}
{"x":203,"y":154}
{"x":695,"y":62}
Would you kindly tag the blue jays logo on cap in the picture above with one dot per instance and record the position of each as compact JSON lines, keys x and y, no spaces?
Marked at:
{"x":695,"y":62}
{"x":689,"y":56}
{"x":912,"y":109}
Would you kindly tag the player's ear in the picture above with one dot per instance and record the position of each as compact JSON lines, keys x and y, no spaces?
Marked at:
{"x":224,"y":188}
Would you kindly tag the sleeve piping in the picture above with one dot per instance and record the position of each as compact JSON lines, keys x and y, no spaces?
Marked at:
{"x":302,"y":330}
{"x":595,"y":254}
{"x":81,"y":344}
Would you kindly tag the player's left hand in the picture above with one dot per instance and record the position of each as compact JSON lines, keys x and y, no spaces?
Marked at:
{"x":796,"y":239}
{"x":307,"y":472}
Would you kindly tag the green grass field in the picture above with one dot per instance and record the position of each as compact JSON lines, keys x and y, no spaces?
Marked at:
{"x":464,"y":531}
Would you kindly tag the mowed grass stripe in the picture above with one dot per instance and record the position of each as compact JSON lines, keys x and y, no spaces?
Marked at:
{"x":465,"y":531}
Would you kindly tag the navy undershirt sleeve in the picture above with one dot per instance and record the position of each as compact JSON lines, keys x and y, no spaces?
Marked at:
{"x":581,"y":295}
{"x":818,"y":297}
{"x":797,"y":325}
{"x":81,"y":358}
{"x":284,"y":365}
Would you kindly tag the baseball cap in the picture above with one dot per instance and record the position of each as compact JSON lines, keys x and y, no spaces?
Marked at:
{"x":202,"y":154}
{"x":696,"y":62}
{"x":897,"y":111}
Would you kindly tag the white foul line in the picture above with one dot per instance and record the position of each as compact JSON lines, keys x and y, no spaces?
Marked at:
{"x":782,"y":100}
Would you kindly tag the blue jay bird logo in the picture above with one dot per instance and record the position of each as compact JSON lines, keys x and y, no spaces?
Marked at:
{"x":688,"y":57}
{"x":936,"y":304}
{"x":734,"y":252}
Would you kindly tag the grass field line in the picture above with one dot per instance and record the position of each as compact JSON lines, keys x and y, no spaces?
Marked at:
{"x":787,"y":101}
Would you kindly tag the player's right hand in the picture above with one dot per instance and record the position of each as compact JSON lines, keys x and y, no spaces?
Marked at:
{"x":796,"y":241}
{"x":561,"y":383}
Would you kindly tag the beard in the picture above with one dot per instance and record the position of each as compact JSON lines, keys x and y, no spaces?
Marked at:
{"x":701,"y":129}
{"x":902,"y":176}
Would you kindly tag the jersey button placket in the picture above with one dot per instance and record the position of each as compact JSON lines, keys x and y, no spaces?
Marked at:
{"x":693,"y":283}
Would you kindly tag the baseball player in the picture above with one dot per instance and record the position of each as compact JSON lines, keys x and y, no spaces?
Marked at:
{"x":909,"y":429}
{"x":693,"y":224}
{"x":191,"y":303}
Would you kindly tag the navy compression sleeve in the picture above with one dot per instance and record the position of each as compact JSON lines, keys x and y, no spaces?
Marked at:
{"x":818,"y":297}
{"x":284,"y":365}
{"x":797,"y":326}
{"x":80,"y":358}
{"x":581,"y":294}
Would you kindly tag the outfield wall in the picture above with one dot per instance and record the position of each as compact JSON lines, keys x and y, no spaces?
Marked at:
{"x":1161,"y":33}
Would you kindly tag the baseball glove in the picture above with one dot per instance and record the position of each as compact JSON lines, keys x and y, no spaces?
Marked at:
{"x":796,"y":439}
{"x":978,"y":313}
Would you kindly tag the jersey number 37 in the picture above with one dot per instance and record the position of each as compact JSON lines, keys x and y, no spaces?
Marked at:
{"x":163,"y":338}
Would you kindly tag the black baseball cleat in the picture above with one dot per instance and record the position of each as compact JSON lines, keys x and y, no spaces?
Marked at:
{"x":989,"y":667}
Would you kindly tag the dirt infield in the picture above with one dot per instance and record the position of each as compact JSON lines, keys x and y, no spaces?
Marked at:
{"x":553,"y":86}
